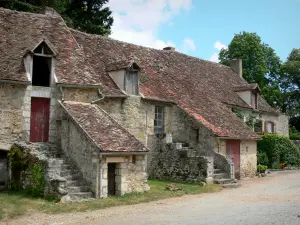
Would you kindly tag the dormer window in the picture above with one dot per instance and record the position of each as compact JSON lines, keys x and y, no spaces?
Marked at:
{"x":254,"y":99}
{"x":126,"y":76}
{"x":39,"y":65}
{"x":132,"y":81}
{"x":249,"y":93}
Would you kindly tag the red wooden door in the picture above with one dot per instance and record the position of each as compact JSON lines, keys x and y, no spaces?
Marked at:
{"x":233,"y":152}
{"x":39,"y":119}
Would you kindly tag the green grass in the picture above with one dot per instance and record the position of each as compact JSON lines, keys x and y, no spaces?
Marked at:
{"x":17,"y":204}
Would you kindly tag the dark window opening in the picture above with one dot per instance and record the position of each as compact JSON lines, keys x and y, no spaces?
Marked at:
{"x":159,"y":119}
{"x":258,"y":126}
{"x":133,"y":159}
{"x":41,"y":73}
{"x":254,"y":100}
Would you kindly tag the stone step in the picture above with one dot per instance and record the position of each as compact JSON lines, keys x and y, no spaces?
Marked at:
{"x":217,"y":170}
{"x":73,"y":177}
{"x":75,"y":182}
{"x":232,"y":185}
{"x":81,"y":194}
{"x":220,"y":175}
{"x":69,"y":172}
{"x":77,"y":189}
{"x":224,"y":181}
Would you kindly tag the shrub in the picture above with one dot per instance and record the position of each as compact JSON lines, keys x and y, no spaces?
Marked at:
{"x":278,"y":149}
{"x":262,"y":158}
{"x":261,"y":168}
{"x":294,"y":134}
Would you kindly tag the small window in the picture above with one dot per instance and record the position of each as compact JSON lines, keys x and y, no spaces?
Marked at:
{"x":42,"y":64}
{"x":270,"y":127}
{"x":132,"y":82}
{"x":254,"y":100}
{"x":159,"y":119}
{"x":41,"y":73}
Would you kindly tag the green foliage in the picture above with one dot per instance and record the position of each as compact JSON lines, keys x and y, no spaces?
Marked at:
{"x":262,"y":158}
{"x":290,"y":84}
{"x":17,"y":165}
{"x":260,"y":64}
{"x":294,"y":134}
{"x":85,"y":15}
{"x":26,"y":172}
{"x":278,"y":149}
{"x":261,"y":168}
{"x":36,"y":180}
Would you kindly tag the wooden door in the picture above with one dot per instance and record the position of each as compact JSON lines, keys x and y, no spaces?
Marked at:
{"x":39,"y":119}
{"x":111,"y":175}
{"x":233,"y":152}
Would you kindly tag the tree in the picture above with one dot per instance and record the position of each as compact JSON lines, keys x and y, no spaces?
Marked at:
{"x":290,"y":86}
{"x":90,"y":16}
{"x":85,"y":15}
{"x":260,"y":64}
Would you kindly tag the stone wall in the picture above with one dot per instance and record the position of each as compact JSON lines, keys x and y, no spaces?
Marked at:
{"x":80,"y":150}
{"x":283,"y":125}
{"x":171,"y":163}
{"x":248,"y":158}
{"x":130,"y":176}
{"x":86,"y":95}
{"x":11,"y":114}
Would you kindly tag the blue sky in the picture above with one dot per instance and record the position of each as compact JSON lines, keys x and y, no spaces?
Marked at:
{"x":201,"y":28}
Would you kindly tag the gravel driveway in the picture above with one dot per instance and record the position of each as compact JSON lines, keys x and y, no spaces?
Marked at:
{"x":271,"y":200}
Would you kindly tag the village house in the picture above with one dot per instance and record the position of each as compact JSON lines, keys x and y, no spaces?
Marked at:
{"x":106,"y":114}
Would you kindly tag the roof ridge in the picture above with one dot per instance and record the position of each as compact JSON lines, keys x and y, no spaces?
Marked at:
{"x":6,"y":10}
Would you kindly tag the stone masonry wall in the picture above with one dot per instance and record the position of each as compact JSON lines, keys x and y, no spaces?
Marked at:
{"x":11,"y":113}
{"x":170,"y":163}
{"x":80,"y":94}
{"x":80,"y":150}
{"x":248,"y":158}
{"x":131,"y":176}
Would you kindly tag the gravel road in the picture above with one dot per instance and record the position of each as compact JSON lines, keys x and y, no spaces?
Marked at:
{"x":262,"y":201}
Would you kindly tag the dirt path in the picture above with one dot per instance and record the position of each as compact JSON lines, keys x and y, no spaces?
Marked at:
{"x":271,"y":200}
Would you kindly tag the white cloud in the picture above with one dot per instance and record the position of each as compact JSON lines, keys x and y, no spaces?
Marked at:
{"x":218,"y":46}
{"x":137,"y":21}
{"x":214,"y":57}
{"x":188,"y":45}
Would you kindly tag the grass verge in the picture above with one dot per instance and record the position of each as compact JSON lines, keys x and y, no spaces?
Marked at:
{"x":18,"y":204}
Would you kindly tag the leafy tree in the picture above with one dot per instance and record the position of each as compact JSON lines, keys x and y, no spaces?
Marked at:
{"x":291,"y":84}
{"x":85,"y":15}
{"x":260,"y":64}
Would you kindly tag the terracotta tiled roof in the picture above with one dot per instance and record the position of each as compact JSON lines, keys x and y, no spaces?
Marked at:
{"x":106,"y":133}
{"x":20,"y":32}
{"x":198,"y":86}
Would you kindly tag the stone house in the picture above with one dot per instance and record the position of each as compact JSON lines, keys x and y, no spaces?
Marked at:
{"x":105,"y":113}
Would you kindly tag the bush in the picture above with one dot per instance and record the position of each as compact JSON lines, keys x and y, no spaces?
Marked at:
{"x":277,"y":149}
{"x":261,"y":168}
{"x":294,"y":134}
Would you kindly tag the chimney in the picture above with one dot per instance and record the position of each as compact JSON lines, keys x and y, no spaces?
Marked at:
{"x":169,"y":48}
{"x":237,"y":66}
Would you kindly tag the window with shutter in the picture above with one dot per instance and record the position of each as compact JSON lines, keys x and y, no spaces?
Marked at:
{"x":132,"y":82}
{"x":270,"y":127}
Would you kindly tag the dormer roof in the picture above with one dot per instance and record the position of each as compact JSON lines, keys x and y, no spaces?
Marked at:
{"x":246,"y":87}
{"x":122,"y":65}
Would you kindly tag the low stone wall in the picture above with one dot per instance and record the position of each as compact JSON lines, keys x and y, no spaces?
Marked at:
{"x":170,"y":163}
{"x":223,"y":163}
{"x":80,"y":150}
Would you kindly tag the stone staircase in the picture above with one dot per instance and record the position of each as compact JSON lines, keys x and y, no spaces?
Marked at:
{"x":63,"y":169}
{"x":222,"y":178}
{"x":63,"y":178}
